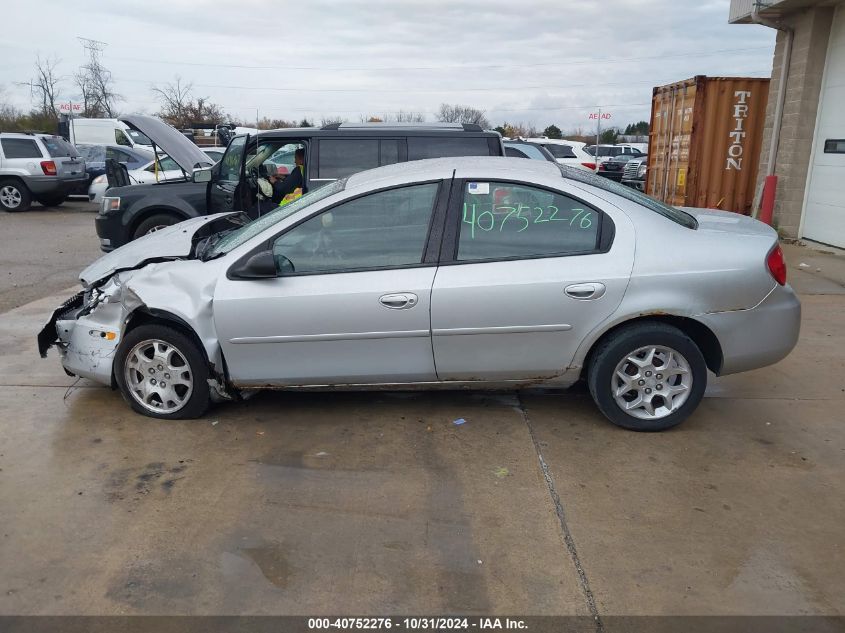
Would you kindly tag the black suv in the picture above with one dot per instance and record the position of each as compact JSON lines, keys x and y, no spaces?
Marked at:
{"x":233,"y":184}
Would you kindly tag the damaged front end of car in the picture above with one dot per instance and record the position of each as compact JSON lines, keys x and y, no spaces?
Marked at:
{"x":156,"y":278}
{"x":87,"y":329}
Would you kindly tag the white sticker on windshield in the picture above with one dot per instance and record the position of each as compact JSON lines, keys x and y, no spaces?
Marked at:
{"x":478,"y":187}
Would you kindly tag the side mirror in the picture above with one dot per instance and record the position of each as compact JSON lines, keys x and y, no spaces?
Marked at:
{"x":202,"y":175}
{"x":261,"y":265}
{"x":284,"y":265}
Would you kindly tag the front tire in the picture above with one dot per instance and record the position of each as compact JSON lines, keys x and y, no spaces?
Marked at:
{"x":155,"y":223}
{"x":14,"y":196}
{"x":647,"y":376}
{"x":162,"y":373}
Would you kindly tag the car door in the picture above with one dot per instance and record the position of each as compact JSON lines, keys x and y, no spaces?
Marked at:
{"x":528,"y":272}
{"x":224,"y":189}
{"x":351,"y":303}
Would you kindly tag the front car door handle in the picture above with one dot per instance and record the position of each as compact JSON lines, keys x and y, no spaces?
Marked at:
{"x":399,"y":300}
{"x":585,"y":292}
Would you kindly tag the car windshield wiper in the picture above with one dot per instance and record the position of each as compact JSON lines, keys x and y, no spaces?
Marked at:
{"x":205,"y":246}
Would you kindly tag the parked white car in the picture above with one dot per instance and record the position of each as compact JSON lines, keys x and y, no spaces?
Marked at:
{"x":167,"y":170}
{"x":567,"y":152}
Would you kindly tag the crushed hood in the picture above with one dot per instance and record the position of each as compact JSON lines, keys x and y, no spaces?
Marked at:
{"x":168,"y":139}
{"x":172,"y":242}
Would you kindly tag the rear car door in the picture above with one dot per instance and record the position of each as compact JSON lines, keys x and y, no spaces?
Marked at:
{"x":351,"y":303}
{"x":526,"y":273}
{"x":225,"y":187}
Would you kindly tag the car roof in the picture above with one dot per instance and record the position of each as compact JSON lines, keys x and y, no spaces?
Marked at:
{"x":460,"y":166}
{"x":379,"y":129}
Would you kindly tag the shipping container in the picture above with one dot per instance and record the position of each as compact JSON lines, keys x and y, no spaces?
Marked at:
{"x":704,"y":142}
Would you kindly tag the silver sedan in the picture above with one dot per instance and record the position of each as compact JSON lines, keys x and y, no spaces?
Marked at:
{"x":458,"y":272}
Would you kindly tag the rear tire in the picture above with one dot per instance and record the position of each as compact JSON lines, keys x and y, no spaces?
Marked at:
{"x":162,"y":373}
{"x":647,"y":376}
{"x":51,"y":201}
{"x":154,"y":223}
{"x":14,"y":196}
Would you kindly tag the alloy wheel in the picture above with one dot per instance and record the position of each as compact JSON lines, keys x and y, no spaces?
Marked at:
{"x":652,"y":382}
{"x":10,"y":197}
{"x":158,"y":376}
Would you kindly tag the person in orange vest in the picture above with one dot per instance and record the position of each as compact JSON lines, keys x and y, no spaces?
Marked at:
{"x":290,"y":188}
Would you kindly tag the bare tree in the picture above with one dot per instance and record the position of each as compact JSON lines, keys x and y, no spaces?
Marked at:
{"x":267,"y":123}
{"x":175,"y":100}
{"x":96,"y":83}
{"x":461,"y":114}
{"x":331,"y":120}
{"x":182,"y":110}
{"x":407,"y":117}
{"x":46,"y":85}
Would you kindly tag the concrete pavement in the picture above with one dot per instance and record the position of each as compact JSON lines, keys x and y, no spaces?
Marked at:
{"x":375,"y":503}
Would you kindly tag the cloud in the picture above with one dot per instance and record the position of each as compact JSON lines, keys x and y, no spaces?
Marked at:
{"x":534,"y":61}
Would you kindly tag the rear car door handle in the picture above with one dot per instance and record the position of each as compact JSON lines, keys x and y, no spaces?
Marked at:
{"x":585,"y":292}
{"x":399,"y":301}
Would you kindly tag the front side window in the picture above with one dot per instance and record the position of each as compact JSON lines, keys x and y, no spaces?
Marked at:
{"x":121,"y":139}
{"x":505,"y":220}
{"x":20,"y":148}
{"x":230,"y":164}
{"x":380,"y":230}
{"x":343,"y":157}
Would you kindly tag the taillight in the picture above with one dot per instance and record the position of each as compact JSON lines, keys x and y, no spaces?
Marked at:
{"x":589,"y":166}
{"x":602,"y":167}
{"x":777,"y":265}
{"x":48,"y":167}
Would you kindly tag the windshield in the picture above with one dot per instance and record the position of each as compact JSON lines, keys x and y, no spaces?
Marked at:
{"x":245,"y":233}
{"x":140,"y":139}
{"x":589,"y":178}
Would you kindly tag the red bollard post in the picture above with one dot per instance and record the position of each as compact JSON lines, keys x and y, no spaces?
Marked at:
{"x":767,"y":202}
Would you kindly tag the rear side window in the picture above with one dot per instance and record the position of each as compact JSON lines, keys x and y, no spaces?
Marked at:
{"x":58,"y":147}
{"x":20,"y":148}
{"x":560,"y":151}
{"x":502,"y":220}
{"x":343,"y":157}
{"x":420,"y":147}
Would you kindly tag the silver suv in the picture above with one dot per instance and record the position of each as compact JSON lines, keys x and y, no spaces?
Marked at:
{"x":39,"y":166}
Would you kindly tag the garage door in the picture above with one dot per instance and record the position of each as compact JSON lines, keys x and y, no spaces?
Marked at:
{"x":824,"y":214}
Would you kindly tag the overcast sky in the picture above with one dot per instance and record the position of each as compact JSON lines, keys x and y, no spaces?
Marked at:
{"x":530,"y":61}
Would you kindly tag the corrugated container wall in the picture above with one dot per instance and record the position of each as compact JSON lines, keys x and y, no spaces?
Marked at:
{"x":704,"y":142}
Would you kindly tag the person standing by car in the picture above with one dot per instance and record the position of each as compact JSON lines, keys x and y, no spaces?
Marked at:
{"x":290,"y":188}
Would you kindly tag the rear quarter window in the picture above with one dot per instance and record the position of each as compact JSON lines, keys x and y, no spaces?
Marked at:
{"x":20,"y":148}
{"x":560,"y":151}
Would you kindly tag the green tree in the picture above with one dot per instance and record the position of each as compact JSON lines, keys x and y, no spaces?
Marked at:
{"x":553,"y":131}
{"x":609,"y":136}
{"x":305,"y":123}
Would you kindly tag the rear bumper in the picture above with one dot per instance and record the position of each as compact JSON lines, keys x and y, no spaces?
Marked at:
{"x":759,"y":336}
{"x":48,"y":185}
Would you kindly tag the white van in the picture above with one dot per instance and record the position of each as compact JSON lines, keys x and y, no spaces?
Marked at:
{"x":106,"y":132}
